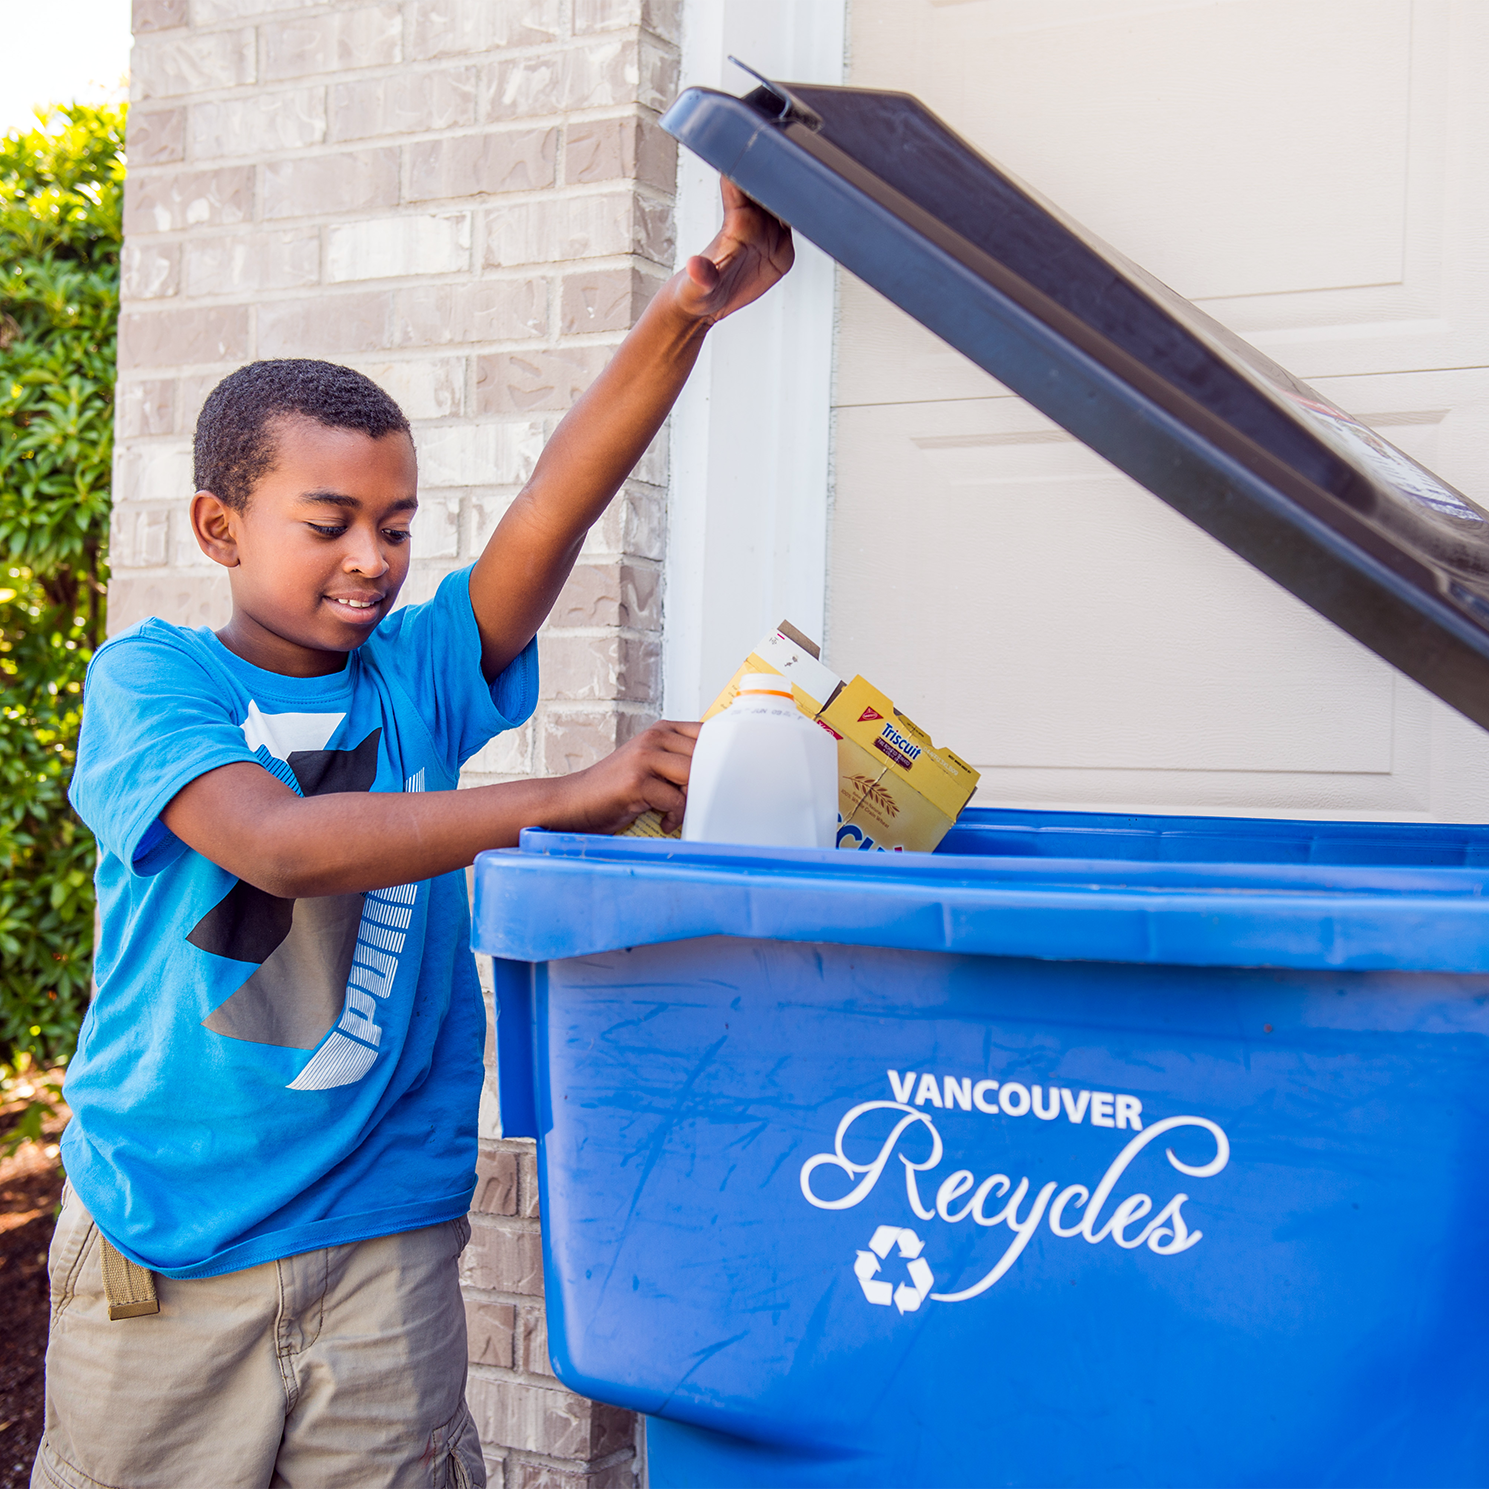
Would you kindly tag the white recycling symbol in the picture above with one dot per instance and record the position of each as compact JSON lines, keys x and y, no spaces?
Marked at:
{"x":877,"y":1290}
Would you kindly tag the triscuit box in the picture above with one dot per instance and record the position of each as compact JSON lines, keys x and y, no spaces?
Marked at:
{"x":896,"y":790}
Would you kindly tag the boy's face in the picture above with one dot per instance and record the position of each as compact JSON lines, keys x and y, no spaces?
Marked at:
{"x":322,"y":549}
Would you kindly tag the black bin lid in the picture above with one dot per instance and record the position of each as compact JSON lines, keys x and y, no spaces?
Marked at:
{"x":1309,"y":495}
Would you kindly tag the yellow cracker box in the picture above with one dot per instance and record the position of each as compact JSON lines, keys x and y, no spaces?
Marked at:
{"x":896,"y":790}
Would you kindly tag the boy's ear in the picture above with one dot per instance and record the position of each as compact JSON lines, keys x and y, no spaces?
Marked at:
{"x":212,"y":523}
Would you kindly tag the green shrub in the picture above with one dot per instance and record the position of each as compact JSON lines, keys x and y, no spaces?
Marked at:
{"x":61,"y":194}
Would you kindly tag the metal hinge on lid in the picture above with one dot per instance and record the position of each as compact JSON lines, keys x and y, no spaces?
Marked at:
{"x":776,"y":100}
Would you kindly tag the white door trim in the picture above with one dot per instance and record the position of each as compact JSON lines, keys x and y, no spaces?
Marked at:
{"x":751,"y":435}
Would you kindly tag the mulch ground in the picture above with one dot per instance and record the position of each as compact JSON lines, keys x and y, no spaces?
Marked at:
{"x":30,"y":1191}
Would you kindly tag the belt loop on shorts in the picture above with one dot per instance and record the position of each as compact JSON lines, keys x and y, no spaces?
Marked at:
{"x":129,"y":1288}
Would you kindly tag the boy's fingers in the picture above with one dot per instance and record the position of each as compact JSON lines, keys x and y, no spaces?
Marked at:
{"x":679,"y":736}
{"x":736,"y":200}
{"x":672,"y":809}
{"x":671,"y":765}
{"x":665,"y":795}
{"x":674,"y":746}
{"x":669,"y":801}
{"x":667,"y":764}
{"x":657,"y":765}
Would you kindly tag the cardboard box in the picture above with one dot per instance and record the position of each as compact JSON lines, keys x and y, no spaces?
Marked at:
{"x":789,"y":653}
{"x":897,"y":791}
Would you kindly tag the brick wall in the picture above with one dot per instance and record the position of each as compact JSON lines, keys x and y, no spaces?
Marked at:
{"x":470,"y":201}
{"x":541,"y":1435}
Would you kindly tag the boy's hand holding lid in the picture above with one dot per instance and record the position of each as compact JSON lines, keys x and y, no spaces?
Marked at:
{"x":749,"y":254}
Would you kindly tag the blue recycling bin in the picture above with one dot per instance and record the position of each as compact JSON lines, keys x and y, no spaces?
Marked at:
{"x":1089,"y":1150}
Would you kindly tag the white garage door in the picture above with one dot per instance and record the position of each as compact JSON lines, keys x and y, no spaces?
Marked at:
{"x":1311,"y":171}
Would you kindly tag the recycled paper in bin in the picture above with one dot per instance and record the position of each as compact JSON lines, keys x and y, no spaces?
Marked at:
{"x":1108,"y":1150}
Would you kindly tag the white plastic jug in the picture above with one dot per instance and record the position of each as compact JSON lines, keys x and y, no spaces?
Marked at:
{"x":763,"y":773}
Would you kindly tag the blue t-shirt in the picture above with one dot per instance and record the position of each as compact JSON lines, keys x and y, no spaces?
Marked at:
{"x":261,"y":1076}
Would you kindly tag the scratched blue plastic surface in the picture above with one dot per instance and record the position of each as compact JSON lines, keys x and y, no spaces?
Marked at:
{"x":686,"y":1029}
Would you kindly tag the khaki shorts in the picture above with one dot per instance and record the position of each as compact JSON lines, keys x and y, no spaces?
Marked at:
{"x":336,"y":1369}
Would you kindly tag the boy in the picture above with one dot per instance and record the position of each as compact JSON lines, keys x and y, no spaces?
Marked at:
{"x":274,"y":1095}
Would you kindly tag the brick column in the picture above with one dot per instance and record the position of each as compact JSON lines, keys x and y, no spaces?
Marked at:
{"x":470,"y":201}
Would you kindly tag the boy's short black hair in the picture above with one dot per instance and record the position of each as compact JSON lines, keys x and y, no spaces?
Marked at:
{"x":234,"y":446}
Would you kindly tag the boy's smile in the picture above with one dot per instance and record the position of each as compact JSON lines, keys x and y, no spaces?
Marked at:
{"x":319,"y":554}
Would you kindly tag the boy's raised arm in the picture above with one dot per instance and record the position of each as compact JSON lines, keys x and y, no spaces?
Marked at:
{"x":518,"y":578}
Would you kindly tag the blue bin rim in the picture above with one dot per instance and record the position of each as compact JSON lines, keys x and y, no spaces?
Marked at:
{"x":569,"y":894}
{"x":1465,"y":834}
